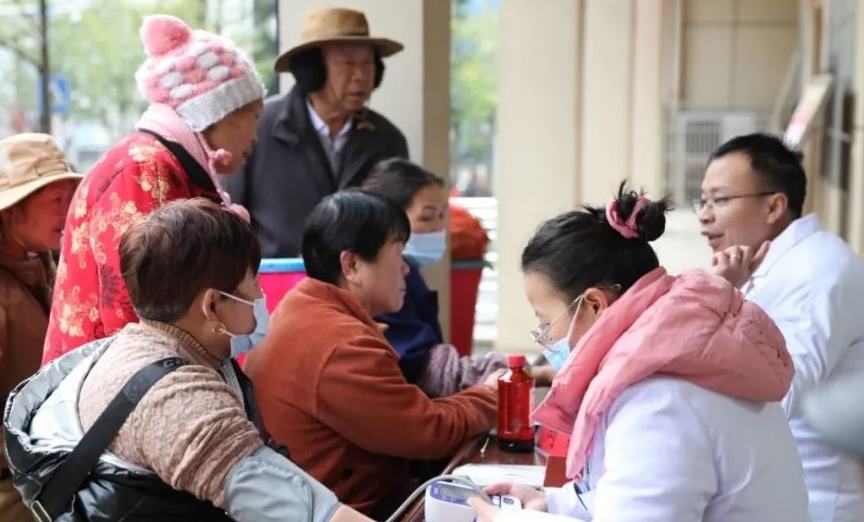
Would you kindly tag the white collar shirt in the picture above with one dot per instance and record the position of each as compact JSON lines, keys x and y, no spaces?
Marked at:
{"x":332,"y":147}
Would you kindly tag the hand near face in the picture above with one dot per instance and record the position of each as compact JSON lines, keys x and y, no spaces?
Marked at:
{"x":737,"y":263}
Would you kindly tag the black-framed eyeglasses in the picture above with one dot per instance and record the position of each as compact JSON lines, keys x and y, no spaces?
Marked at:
{"x":703,"y":203}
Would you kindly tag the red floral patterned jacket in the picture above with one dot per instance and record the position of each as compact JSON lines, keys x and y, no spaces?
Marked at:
{"x":135,"y":177}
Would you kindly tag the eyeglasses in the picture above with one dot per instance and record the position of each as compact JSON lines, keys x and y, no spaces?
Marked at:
{"x":541,"y":333}
{"x":703,"y":203}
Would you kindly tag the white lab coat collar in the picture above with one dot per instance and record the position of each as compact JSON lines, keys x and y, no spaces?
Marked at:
{"x":796,"y":232}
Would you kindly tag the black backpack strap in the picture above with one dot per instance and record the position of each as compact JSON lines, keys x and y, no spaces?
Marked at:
{"x":252,"y":412}
{"x":67,"y":479}
{"x":193,"y":169}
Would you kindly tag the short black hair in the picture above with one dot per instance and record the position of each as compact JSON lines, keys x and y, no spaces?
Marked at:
{"x":352,"y":221}
{"x":777,"y":166}
{"x":579,"y":249}
{"x":181,"y":249}
{"x":399,"y":180}
{"x":310,"y":72}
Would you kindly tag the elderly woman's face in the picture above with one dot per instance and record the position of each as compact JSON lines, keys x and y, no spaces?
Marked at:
{"x":37,"y":222}
{"x":380,"y":284}
{"x":235,"y":133}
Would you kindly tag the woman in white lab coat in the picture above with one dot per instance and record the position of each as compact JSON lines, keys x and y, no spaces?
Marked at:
{"x":669,"y":391}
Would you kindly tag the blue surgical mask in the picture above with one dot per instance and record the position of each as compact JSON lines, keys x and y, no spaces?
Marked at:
{"x":242,"y":343}
{"x":426,"y":248}
{"x":557,"y":353}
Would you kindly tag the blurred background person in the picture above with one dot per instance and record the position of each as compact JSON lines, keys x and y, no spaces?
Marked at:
{"x":414,"y":331}
{"x":36,"y":187}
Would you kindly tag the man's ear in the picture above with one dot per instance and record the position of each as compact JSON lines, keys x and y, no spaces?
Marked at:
{"x":778,"y":206}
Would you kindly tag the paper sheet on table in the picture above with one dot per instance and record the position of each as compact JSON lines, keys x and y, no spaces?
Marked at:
{"x":486,"y":474}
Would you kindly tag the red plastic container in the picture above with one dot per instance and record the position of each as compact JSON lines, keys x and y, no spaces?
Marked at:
{"x":515,"y":397}
{"x":464,"y":285}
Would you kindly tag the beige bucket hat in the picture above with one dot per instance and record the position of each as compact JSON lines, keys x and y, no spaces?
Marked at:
{"x":336,"y":25}
{"x":29,"y":162}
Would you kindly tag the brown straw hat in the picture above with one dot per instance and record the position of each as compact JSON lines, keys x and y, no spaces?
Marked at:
{"x":335,"y":25}
{"x":29,"y":162}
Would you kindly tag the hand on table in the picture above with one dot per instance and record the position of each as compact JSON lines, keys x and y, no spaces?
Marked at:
{"x":737,"y":263}
{"x":486,"y":512}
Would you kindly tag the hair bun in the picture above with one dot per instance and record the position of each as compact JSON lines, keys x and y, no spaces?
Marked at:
{"x":650,"y":220}
{"x":161,"y":34}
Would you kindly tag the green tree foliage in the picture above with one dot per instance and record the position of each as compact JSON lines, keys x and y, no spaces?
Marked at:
{"x":95,"y":44}
{"x":99,"y":51}
{"x":473,"y":84}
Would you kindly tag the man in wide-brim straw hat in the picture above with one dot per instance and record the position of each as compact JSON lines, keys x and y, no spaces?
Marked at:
{"x":36,"y":186}
{"x":320,"y":137}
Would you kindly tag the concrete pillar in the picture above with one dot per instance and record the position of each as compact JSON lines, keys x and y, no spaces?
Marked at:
{"x":539,"y":93}
{"x":625,"y":82}
{"x":607,"y":85}
{"x":653,"y":82}
{"x":415,"y":94}
{"x":580,"y":108}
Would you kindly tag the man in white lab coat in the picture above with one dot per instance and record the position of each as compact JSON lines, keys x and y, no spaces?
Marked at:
{"x":806,"y":279}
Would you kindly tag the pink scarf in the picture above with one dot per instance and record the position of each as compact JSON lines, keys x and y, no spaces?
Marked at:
{"x":695,"y":327}
{"x":162,"y":120}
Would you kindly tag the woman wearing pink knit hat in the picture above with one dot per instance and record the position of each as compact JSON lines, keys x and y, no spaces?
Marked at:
{"x":205,"y":98}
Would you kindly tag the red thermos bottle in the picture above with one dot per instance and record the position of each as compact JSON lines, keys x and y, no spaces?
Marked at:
{"x":515,"y":397}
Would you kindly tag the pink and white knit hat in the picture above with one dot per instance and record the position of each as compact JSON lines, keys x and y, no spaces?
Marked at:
{"x":201,"y":75}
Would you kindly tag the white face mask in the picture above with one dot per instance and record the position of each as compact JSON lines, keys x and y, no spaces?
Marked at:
{"x":243,"y":343}
{"x":426,"y":248}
